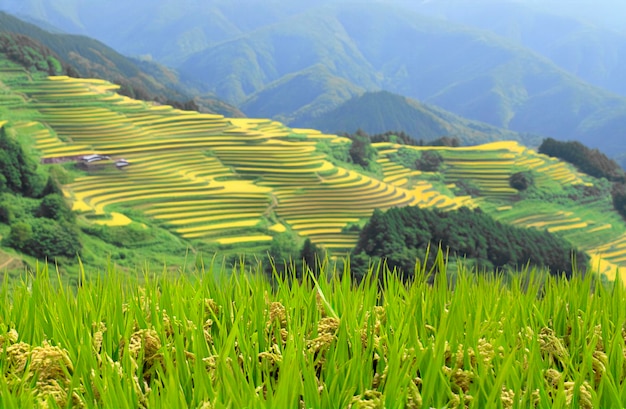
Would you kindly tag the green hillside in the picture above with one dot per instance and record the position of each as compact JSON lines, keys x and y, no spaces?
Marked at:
{"x":259,"y":58}
{"x":314,"y":90}
{"x":205,"y":182}
{"x":168,"y":31}
{"x":377,"y":112}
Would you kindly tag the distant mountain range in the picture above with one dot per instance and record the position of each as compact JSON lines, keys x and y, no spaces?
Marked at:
{"x":574,"y":41}
{"x":514,"y":65}
{"x":472,"y":73}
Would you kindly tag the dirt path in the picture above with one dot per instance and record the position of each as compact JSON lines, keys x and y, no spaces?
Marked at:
{"x":6,"y":263}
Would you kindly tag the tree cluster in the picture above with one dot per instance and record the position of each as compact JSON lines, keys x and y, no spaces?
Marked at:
{"x":402,"y":235}
{"x":521,"y":180}
{"x":403,"y":138}
{"x":590,"y":161}
{"x":426,"y":161}
{"x":30,"y":54}
{"x":40,"y":219}
{"x":18,"y":172}
{"x":362,"y":152}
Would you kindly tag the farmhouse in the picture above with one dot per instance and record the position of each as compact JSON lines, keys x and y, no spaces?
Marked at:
{"x":121,"y":163}
{"x":94,"y":158}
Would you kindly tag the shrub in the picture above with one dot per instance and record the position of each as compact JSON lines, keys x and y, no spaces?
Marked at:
{"x":426,"y":161}
{"x":521,"y":180}
{"x":430,"y":161}
{"x":467,"y":188}
{"x":20,"y":235}
{"x":55,"y":207}
{"x":52,"y":239}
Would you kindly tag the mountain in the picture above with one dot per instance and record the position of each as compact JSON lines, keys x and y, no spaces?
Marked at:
{"x":472,"y":73}
{"x":313,"y":90}
{"x":590,"y":51}
{"x":247,"y":50}
{"x":90,"y":58}
{"x":159,"y":178}
{"x":167,"y":30}
{"x":238,"y":68}
{"x":378,"y":112}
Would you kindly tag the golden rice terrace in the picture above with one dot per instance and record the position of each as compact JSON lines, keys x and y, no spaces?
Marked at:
{"x":242,"y":181}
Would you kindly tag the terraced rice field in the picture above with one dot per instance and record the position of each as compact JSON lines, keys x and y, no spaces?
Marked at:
{"x":397,"y":175}
{"x":203,"y":176}
{"x":587,"y":228}
{"x":489,"y":167}
{"x":242,"y":181}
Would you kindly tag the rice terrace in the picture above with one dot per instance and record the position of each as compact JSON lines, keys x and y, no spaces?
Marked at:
{"x":189,"y":171}
{"x":155,"y":255}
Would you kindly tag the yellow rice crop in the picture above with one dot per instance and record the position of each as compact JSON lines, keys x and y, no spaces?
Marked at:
{"x":244,"y":239}
{"x":177,"y":221}
{"x":220,"y":226}
{"x":278,"y":228}
{"x":555,"y":229}
{"x":81,"y":206}
{"x":600,"y":228}
{"x":309,"y":232}
{"x":610,"y":270}
{"x":117,"y":219}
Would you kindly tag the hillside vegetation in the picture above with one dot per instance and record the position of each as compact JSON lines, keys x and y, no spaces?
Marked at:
{"x":402,"y":235}
{"x":582,"y":40}
{"x":468,"y":72}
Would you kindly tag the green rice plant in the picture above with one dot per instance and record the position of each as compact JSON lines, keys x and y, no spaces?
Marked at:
{"x":217,"y":339}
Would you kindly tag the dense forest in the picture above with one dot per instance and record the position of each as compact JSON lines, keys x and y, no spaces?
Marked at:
{"x":587,"y":160}
{"x":403,"y":235}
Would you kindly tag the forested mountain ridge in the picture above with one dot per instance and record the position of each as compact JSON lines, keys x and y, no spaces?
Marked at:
{"x":591,"y":51}
{"x":86,"y":57}
{"x":471,"y":73}
{"x":378,"y":112}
